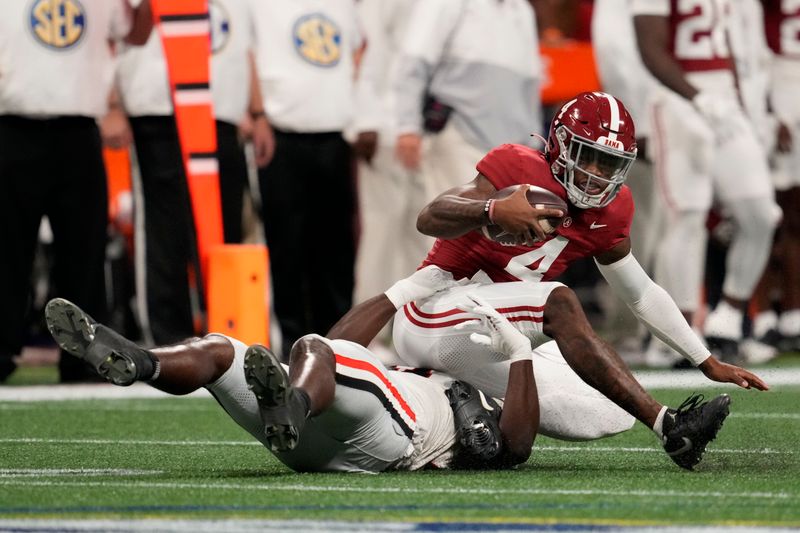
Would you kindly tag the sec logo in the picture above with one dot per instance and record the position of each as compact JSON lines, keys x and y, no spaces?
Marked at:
{"x":58,"y":24}
{"x":220,"y":26}
{"x":318,"y":40}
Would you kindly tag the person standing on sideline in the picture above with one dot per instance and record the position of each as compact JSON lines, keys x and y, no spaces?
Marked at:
{"x":166,"y":244}
{"x":708,"y":151}
{"x":390,"y":195}
{"x":468,"y":79}
{"x":56,"y":71}
{"x":305,"y":57}
{"x":623,"y":74}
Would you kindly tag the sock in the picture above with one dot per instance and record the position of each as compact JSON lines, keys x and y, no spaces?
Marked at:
{"x":303,"y":399}
{"x":789,"y":323}
{"x":658,"y":426}
{"x":156,"y":367}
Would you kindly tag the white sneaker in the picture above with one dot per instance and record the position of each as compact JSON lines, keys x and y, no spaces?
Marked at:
{"x":724,"y":322}
{"x":757,"y":353}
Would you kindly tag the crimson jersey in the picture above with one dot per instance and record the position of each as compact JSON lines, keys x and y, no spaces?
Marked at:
{"x":585,"y":232}
{"x":782,"y":26}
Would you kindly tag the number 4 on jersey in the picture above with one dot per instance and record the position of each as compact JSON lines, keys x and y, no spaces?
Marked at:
{"x":533,"y":265}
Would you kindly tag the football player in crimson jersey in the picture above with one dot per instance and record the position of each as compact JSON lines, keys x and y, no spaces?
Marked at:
{"x":706,"y":150}
{"x":589,"y":150}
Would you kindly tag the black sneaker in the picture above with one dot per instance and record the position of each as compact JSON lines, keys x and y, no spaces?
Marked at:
{"x":772,"y":337}
{"x":789,"y":344}
{"x":689,"y":429}
{"x":282,"y":408}
{"x":113,"y":357}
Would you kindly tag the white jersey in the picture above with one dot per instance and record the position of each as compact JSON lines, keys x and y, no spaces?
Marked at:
{"x":481,"y":58}
{"x":54,"y":55}
{"x":143,"y":78}
{"x":435,"y":438}
{"x":304,"y":56}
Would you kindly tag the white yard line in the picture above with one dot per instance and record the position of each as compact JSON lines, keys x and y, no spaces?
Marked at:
{"x":259,"y":486}
{"x":575,"y":448}
{"x":74,"y":472}
{"x":650,"y":379}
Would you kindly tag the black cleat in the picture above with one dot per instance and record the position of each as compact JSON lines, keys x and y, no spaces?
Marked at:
{"x":282,"y":409}
{"x":689,"y":429}
{"x":113,"y":357}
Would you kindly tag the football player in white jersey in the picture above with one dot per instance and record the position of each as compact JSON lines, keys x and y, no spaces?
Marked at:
{"x":781,"y":25}
{"x":335,"y":407}
{"x":705,"y":151}
{"x":316,"y":417}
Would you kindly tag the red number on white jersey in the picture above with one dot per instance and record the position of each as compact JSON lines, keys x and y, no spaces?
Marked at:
{"x":701,"y":35}
{"x":790,"y":27}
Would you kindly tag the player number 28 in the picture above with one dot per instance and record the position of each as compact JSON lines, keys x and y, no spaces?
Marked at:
{"x":700,"y":36}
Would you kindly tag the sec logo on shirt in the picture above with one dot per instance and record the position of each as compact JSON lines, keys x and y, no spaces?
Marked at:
{"x":318,"y":40}
{"x":58,"y":24}
{"x":220,"y":26}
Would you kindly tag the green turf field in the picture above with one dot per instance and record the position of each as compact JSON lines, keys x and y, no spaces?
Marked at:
{"x":183,"y":458}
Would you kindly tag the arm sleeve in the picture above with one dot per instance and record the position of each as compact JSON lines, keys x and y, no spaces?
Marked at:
{"x":653,"y":307}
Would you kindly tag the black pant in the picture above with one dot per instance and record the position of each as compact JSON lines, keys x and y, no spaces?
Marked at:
{"x":51,"y":167}
{"x":308,"y":210}
{"x":168,"y":228}
{"x":232,"y":180}
{"x":170,"y":244}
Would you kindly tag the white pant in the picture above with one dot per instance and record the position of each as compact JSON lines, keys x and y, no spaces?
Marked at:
{"x":692,"y":168}
{"x":424,"y":337}
{"x":390,"y":248}
{"x":786,"y":87}
{"x":364,"y":430}
{"x":448,"y":161}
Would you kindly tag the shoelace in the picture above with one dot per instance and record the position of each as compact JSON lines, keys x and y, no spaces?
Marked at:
{"x":690,"y":403}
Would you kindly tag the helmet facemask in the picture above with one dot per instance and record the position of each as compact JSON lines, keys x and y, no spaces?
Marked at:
{"x":592,"y":172}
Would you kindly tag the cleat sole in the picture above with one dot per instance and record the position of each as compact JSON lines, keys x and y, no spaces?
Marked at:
{"x":269,"y":383}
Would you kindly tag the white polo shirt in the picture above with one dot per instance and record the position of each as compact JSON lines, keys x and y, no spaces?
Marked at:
{"x":305,"y":62}
{"x":54,"y":55}
{"x":142,"y":72}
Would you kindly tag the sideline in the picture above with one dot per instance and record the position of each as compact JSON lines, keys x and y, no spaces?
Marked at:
{"x":650,"y":379}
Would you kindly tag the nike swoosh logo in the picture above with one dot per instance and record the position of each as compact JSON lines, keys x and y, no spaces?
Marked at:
{"x":595,"y":225}
{"x":687,"y":445}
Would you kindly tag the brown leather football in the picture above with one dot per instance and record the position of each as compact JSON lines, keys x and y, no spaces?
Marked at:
{"x":538,"y":197}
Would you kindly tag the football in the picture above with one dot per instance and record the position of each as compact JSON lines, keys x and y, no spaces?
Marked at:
{"x":539,"y":198}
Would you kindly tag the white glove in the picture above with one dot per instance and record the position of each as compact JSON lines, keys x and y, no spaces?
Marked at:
{"x":502,"y":336}
{"x":419,"y":285}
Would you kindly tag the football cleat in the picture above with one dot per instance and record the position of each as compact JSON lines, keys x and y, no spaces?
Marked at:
{"x":282,"y":409}
{"x":115,"y":358}
{"x":688,"y":429}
